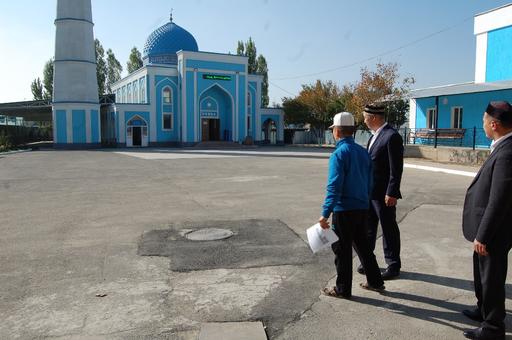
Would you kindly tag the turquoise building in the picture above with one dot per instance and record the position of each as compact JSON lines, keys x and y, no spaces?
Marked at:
{"x":460,"y":106}
{"x":181,"y":96}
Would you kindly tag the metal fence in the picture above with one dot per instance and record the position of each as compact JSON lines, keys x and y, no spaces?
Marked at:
{"x":474,"y":138}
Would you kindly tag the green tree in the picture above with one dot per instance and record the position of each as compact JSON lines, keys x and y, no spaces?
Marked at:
{"x":240,"y":50}
{"x":295,"y":111}
{"x":101,"y":67}
{"x":48,"y":80}
{"x":255,"y":65}
{"x":114,"y":69}
{"x":134,"y":60}
{"x":37,"y":89}
{"x":263,"y":70}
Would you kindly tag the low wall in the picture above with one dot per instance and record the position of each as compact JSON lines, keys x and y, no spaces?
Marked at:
{"x":456,"y":155}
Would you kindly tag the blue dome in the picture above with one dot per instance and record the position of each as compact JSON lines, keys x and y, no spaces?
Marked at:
{"x":162,"y":45}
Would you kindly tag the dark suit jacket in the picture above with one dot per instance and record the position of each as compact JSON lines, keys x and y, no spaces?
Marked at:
{"x":487,"y":214}
{"x":387,"y":153}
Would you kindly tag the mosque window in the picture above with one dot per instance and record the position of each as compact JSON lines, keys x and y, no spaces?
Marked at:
{"x":142,"y":90}
{"x":167,"y":121}
{"x":167,"y":97}
{"x":135,"y":92}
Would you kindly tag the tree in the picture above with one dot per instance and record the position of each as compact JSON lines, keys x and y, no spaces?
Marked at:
{"x":295,"y":111}
{"x":255,"y":65}
{"x":114,"y":70}
{"x":263,"y":70}
{"x":323,"y":99}
{"x":380,"y":86}
{"x":134,"y":60}
{"x":48,"y":80}
{"x":37,"y":89}
{"x":101,"y":67}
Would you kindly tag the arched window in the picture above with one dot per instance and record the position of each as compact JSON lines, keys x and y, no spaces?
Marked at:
{"x":142,"y":90}
{"x":167,"y":121}
{"x":167,"y":96}
{"x":249,"y":111}
{"x":135,"y":92}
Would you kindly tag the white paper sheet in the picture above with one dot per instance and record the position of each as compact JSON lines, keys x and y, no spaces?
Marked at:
{"x":320,"y":238}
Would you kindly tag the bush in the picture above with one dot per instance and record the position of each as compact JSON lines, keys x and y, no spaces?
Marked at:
{"x":5,"y":142}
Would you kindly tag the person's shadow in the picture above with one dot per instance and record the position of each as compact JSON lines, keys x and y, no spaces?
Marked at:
{"x":450,"y":313}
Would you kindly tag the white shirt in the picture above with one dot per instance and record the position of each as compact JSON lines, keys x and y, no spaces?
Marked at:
{"x":375,"y":134}
{"x":495,"y":143}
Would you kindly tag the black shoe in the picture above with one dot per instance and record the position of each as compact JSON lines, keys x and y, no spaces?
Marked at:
{"x":473,"y":314}
{"x":390,"y":273}
{"x":360,"y":269}
{"x":482,"y":333}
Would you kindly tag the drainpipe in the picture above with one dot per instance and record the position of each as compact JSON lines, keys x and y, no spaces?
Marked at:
{"x":436,"y":119}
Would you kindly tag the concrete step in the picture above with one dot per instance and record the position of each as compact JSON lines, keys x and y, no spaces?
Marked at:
{"x":232,"y":331}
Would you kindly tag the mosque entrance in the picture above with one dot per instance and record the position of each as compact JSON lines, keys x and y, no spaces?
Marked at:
{"x":210,"y":129}
{"x":136,"y":132}
{"x":269,"y":132}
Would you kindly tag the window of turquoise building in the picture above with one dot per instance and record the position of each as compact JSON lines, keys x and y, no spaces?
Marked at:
{"x":167,"y":123}
{"x":457,"y":117}
{"x":167,"y":97}
{"x":135,"y":92}
{"x":431,"y":118}
{"x":142,"y":90}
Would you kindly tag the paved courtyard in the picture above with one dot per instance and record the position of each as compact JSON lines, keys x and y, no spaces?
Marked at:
{"x":78,"y":263}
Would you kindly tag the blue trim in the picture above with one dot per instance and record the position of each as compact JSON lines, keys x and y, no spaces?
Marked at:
{"x":75,"y":102}
{"x":78,"y":120}
{"x":76,"y":61}
{"x":95,"y":135}
{"x":73,"y":19}
{"x":61,"y":124}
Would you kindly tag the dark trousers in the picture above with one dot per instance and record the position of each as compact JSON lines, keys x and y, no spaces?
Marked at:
{"x":351,"y":228}
{"x":390,"y":232}
{"x":490,"y":273}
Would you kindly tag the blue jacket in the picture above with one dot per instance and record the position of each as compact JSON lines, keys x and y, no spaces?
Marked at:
{"x":350,"y":178}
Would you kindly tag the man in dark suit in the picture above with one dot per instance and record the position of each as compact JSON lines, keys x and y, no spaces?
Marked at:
{"x":387,"y":153}
{"x":487,"y":222}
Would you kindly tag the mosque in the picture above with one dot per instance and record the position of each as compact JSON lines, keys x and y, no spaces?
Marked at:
{"x":180,"y":97}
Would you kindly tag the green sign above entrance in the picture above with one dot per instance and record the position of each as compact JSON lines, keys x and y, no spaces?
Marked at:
{"x":215,"y":77}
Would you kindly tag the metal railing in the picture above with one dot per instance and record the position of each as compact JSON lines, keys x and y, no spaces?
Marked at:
{"x":474,"y":137}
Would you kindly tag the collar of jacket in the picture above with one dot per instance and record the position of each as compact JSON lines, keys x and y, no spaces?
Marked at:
{"x":344,"y":140}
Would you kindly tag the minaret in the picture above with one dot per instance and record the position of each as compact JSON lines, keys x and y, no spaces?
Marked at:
{"x":76,"y":109}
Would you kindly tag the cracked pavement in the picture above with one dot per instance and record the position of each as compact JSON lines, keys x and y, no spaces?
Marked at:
{"x":71,"y":222}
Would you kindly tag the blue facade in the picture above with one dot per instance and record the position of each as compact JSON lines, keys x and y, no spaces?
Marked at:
{"x":95,"y":133}
{"x":61,"y":125}
{"x":207,"y":95}
{"x":499,"y":54}
{"x":473,"y":105}
{"x":78,"y":119}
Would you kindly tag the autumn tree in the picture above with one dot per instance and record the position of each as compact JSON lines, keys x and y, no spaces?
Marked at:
{"x":382,"y":85}
{"x":323,"y":99}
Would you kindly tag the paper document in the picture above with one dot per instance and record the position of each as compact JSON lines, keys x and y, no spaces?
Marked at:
{"x":320,"y":238}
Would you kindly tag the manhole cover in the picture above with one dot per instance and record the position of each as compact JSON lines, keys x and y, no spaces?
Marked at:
{"x":209,"y":234}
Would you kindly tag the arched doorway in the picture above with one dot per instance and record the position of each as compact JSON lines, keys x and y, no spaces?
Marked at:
{"x":136,"y":132}
{"x":269,"y":131}
{"x":216,"y":115}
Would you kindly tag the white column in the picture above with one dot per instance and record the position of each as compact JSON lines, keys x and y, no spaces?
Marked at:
{"x":481,"y":58}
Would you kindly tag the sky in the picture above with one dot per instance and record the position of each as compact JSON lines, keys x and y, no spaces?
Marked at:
{"x":431,"y":40}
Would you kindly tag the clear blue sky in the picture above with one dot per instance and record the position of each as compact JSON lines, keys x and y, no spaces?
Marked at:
{"x":297,"y":37}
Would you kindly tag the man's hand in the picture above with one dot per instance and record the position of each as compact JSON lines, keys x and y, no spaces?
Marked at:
{"x":480,"y":248}
{"x":390,"y":201}
{"x":324,"y":223}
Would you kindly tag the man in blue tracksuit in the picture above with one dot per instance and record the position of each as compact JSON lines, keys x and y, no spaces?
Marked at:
{"x":348,"y":189}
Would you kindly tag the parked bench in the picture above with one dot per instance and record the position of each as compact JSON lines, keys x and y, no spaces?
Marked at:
{"x":443,"y":134}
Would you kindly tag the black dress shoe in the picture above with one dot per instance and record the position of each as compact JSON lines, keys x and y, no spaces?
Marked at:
{"x":390,"y":274}
{"x":473,"y":314}
{"x":360,"y":269}
{"x":482,"y":333}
